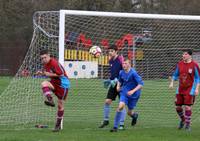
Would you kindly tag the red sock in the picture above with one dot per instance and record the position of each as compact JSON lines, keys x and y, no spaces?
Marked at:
{"x":59,"y":118}
{"x":188,"y":114}
{"x":180,"y":113}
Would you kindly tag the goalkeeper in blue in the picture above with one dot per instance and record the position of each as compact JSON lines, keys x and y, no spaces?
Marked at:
{"x":115,"y":62}
{"x":129,"y":85}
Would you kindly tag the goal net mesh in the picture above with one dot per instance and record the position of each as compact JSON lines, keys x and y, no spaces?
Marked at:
{"x":153,"y":45}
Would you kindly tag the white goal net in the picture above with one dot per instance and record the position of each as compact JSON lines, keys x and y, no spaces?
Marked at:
{"x":153,"y":43}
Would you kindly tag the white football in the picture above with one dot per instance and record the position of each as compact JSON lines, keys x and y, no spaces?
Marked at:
{"x":95,"y":51}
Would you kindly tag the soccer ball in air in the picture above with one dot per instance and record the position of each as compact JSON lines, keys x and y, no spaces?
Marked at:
{"x":95,"y":51}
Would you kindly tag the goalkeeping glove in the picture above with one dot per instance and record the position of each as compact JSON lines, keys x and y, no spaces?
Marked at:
{"x":106,"y":83}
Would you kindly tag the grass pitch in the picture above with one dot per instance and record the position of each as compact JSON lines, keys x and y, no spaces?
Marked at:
{"x":157,"y":121}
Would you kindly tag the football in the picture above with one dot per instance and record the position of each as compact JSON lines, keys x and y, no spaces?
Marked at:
{"x":95,"y":51}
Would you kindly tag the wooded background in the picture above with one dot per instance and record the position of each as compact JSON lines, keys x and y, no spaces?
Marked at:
{"x":16,"y":20}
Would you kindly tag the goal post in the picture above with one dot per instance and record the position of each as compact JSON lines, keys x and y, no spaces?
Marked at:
{"x":61,"y":36}
{"x":142,"y":45}
{"x":153,"y":42}
{"x":112,"y":14}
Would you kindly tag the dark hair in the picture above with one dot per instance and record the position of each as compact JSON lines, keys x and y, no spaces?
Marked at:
{"x":189,"y":51}
{"x":114,"y":47}
{"x":44,"y":51}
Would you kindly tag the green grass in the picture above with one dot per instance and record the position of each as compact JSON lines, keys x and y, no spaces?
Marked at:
{"x":157,"y":120}
{"x":84,"y":132}
{"x":4,"y":81}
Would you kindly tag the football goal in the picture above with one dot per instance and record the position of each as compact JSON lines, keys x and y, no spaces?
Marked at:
{"x":153,"y":42}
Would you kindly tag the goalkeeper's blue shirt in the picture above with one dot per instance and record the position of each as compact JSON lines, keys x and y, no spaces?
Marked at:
{"x":129,"y":81}
{"x":115,"y":67}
